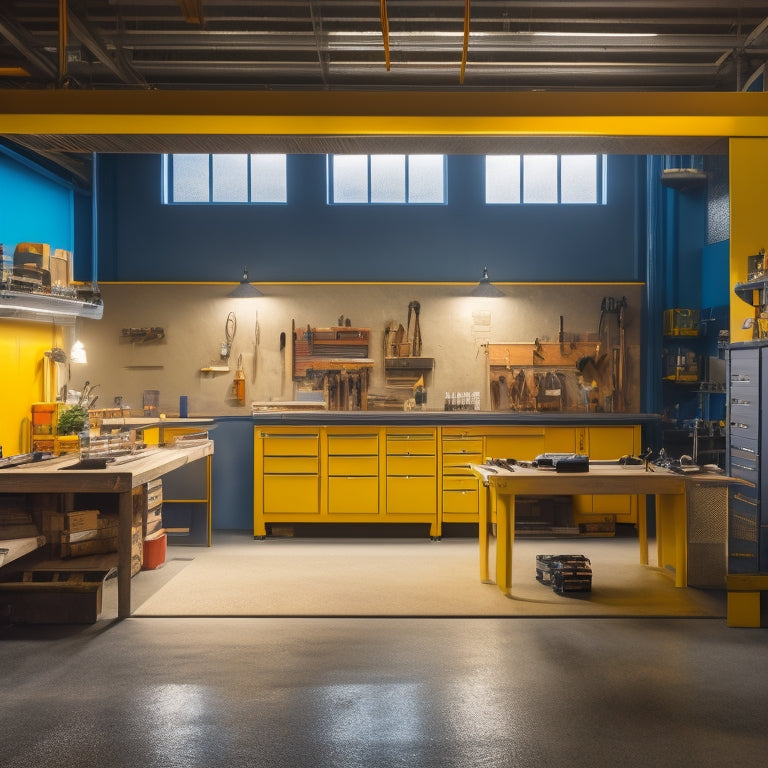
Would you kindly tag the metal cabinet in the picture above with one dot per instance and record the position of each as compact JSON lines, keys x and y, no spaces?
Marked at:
{"x":747,"y":378}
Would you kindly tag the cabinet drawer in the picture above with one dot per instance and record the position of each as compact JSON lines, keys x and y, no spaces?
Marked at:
{"x":291,"y":494}
{"x":411,"y":465}
{"x":353,"y":465}
{"x":745,"y":418}
{"x":411,"y":496}
{"x":460,"y":502}
{"x":290,"y":445}
{"x":353,"y":495}
{"x":290,"y":465}
{"x":353,"y":445}
{"x":459,"y":483}
{"x":459,"y":445}
{"x":742,"y":457}
{"x":456,"y":463}
{"x":411,"y":444}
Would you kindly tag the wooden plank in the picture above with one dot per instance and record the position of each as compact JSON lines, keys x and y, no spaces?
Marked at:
{"x":12,"y":549}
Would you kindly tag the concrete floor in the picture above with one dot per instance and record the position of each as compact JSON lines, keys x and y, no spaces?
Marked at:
{"x":384,"y":693}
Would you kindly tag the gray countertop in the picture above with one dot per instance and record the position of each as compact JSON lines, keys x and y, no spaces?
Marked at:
{"x":451,"y":418}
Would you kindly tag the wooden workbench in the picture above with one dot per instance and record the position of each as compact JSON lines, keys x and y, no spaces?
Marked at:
{"x":53,"y":476}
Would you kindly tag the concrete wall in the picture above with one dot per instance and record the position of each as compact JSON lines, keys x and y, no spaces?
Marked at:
{"x":454,"y":328}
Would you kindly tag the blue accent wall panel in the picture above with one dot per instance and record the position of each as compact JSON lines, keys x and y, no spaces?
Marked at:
{"x":308,"y":240}
{"x":716,"y":280}
{"x":33,"y":208}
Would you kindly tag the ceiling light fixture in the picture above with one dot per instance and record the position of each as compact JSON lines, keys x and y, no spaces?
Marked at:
{"x":485,"y":288}
{"x":244,"y":289}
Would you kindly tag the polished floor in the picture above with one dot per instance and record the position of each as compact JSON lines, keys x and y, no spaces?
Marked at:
{"x":384,"y":692}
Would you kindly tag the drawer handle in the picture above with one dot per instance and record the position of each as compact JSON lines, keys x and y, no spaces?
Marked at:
{"x":743,"y":466}
{"x":740,"y":497}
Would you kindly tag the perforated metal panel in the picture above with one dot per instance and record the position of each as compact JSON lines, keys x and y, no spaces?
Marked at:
{"x":707,"y":535}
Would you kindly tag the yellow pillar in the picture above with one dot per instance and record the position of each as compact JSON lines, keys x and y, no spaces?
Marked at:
{"x":749,"y":203}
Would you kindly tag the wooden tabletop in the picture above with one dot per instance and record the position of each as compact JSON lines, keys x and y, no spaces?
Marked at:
{"x":54,"y":475}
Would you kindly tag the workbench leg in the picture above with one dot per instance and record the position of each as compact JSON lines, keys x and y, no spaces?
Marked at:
{"x":671,"y":523}
{"x":484,"y":535}
{"x":642,"y":529}
{"x":505,"y":533}
{"x":124,"y":554}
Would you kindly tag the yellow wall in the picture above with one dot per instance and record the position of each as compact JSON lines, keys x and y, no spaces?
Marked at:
{"x":749,"y":219}
{"x":22,"y":348}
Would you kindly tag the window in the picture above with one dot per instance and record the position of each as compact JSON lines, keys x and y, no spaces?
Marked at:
{"x":397,"y":179}
{"x":545,"y":179}
{"x":224,"y":179}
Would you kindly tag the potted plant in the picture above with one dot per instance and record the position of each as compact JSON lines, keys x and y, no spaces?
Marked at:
{"x":72,"y":421}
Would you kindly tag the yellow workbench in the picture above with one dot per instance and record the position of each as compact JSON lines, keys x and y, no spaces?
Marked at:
{"x":669,"y":488}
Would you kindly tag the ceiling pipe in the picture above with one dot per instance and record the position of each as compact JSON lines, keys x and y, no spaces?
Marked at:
{"x":465,"y":45}
{"x":385,"y":30}
{"x":62,"y":43}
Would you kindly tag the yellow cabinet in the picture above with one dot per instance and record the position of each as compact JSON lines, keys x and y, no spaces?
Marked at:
{"x":609,"y":444}
{"x":411,"y":470}
{"x":353,"y":472}
{"x":461,"y":490}
{"x":286,"y":476}
{"x":522,"y":443}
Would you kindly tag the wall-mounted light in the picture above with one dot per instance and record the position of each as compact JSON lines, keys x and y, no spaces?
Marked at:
{"x":244,"y":289}
{"x":77,"y":353}
{"x":485,"y":288}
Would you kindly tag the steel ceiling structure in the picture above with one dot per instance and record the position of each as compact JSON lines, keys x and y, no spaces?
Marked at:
{"x":706,"y":45}
{"x":448,"y":48}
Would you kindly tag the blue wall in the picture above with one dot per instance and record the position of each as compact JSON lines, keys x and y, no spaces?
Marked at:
{"x":308,"y":240}
{"x":34,"y":206}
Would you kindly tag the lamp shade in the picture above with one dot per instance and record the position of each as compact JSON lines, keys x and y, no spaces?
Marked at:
{"x":485,"y":288}
{"x":244,"y":289}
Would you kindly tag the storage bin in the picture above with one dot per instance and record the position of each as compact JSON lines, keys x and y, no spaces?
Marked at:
{"x":155,"y":549}
{"x":681,"y":322}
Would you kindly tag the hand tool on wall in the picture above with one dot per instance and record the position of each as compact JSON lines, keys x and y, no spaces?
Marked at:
{"x":415,"y":308}
{"x":238,"y":384}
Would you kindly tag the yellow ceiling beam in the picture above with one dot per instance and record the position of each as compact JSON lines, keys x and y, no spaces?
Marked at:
{"x":322,"y":113}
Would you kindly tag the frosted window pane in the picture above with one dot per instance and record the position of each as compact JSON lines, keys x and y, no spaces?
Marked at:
{"x":230,"y":178}
{"x":578,"y":179}
{"x":540,"y":178}
{"x":425,"y":179}
{"x":387,"y":178}
{"x":190,"y":179}
{"x":268,"y":179}
{"x":350,"y":178}
{"x":502,"y":179}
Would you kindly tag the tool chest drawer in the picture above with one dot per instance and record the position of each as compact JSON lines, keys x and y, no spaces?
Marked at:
{"x":411,"y":495}
{"x":285,"y":494}
{"x":411,"y":444}
{"x":460,"y":502}
{"x":353,"y":495}
{"x":353,"y":445}
{"x":292,"y":465}
{"x":411,"y":465}
{"x":353,"y":465}
{"x":462,"y":445}
{"x":290,"y":444}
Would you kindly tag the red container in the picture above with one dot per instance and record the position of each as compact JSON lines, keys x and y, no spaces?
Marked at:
{"x":154,"y":552}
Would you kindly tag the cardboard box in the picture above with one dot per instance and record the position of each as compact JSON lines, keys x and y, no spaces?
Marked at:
{"x":61,"y":269}
{"x":82,"y":520}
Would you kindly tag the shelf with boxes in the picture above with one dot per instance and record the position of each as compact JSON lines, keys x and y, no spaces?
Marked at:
{"x":36,"y":284}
